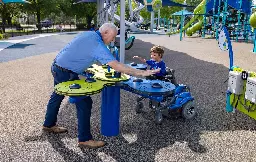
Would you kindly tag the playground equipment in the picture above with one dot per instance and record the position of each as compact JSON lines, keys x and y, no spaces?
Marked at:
{"x":234,"y":14}
{"x":164,"y":96}
{"x":128,"y":42}
{"x":106,"y":11}
{"x":198,"y":11}
{"x":241,"y":91}
{"x":197,"y":15}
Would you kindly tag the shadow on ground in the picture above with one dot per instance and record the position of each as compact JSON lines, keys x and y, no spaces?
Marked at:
{"x":206,"y":81}
{"x":20,"y":45}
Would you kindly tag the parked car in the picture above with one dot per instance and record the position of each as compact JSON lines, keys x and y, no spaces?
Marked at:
{"x":45,"y":23}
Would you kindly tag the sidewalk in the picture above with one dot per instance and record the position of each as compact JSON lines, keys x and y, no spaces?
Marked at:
{"x":11,"y":41}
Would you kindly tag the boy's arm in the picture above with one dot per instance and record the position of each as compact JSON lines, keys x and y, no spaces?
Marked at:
{"x":163,"y":68}
{"x":140,"y":58}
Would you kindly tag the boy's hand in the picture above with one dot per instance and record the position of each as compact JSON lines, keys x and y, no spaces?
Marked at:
{"x":135,"y":57}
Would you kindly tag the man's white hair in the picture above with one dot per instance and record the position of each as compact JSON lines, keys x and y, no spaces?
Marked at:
{"x":107,"y":26}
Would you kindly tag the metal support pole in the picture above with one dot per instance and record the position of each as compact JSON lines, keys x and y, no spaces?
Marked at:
{"x":122,"y":31}
{"x":130,"y":9}
{"x":106,"y":12}
{"x":238,"y":18}
{"x":152,"y":22}
{"x":204,"y":23}
{"x":113,"y":9}
{"x":213,"y":16}
{"x":98,"y":10}
{"x":254,"y":44}
{"x":225,"y":12}
{"x":158,"y":21}
{"x":218,"y":20}
{"x":181,"y":25}
{"x":102,"y":13}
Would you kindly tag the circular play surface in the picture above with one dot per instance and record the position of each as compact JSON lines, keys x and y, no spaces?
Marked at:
{"x":107,"y":74}
{"x":150,"y":87}
{"x":80,"y":87}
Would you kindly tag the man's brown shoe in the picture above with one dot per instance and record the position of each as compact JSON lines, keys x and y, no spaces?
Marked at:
{"x":91,"y":144}
{"x":55,"y":129}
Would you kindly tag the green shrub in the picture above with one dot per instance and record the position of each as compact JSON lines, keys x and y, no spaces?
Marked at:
{"x":5,"y":36}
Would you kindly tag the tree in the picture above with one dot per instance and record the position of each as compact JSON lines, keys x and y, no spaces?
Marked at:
{"x":8,"y":11}
{"x":165,"y":11}
{"x":42,"y":8}
{"x":87,"y":10}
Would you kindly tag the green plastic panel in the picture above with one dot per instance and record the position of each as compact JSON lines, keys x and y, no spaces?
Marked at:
{"x":86,"y":87}
{"x":90,"y":88}
{"x":100,"y":74}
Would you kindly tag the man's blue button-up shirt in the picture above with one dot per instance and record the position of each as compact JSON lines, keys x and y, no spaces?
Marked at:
{"x":83,"y":51}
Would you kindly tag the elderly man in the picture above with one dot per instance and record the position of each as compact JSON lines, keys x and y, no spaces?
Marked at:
{"x":74,"y":59}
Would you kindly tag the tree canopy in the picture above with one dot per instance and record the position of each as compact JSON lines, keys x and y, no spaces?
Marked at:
{"x":66,"y":12}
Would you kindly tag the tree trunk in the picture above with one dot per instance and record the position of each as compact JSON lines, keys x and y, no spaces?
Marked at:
{"x":38,"y":16}
{"x":9,"y":20}
{"x":3,"y":18}
{"x":89,"y":21}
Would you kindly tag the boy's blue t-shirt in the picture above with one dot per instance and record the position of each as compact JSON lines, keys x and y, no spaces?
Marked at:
{"x":155,"y":65}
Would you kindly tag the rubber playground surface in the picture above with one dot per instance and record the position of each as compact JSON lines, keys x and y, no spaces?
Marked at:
{"x":214,"y":135}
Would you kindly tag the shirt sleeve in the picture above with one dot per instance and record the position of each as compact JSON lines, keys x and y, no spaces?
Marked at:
{"x":149,"y":62}
{"x":103,"y":54}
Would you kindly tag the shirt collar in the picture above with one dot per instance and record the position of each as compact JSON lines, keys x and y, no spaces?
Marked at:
{"x":98,"y":32}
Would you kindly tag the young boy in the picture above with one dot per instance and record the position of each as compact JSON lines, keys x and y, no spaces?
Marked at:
{"x":156,"y":61}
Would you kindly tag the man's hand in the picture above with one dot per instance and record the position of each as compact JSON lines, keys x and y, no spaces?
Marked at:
{"x":117,"y":66}
{"x":140,"y":58}
{"x":150,"y":72}
{"x":136,"y":57}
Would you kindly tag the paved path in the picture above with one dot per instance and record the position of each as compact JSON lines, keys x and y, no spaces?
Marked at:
{"x":26,"y":46}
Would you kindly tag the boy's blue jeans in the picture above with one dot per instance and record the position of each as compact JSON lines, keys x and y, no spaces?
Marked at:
{"x":83,"y":107}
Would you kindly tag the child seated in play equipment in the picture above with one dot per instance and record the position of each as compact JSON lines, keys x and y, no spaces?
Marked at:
{"x":155,"y":62}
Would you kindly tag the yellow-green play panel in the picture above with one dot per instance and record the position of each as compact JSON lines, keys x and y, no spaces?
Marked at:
{"x":101,"y":73}
{"x":80,"y":87}
{"x":240,"y":103}
{"x":101,"y":69}
{"x":110,"y":77}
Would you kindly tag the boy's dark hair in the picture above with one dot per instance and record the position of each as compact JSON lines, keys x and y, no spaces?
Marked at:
{"x":157,"y":49}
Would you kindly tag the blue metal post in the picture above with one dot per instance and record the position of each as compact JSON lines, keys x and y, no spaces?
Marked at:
{"x":110,"y":107}
{"x":110,"y":111}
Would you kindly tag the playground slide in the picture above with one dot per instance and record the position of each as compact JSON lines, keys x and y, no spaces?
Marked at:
{"x":200,"y":9}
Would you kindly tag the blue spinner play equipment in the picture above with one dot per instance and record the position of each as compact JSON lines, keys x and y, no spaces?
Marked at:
{"x":165,"y":96}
